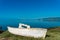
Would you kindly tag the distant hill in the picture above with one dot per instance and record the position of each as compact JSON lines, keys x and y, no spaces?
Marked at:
{"x":51,"y":19}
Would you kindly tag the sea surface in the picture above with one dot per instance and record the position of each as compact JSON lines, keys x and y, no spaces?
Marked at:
{"x":34,"y":23}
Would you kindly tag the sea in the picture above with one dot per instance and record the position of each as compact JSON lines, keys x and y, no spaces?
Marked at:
{"x":34,"y":23}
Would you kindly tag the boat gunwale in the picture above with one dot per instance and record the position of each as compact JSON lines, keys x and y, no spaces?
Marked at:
{"x":30,"y":28}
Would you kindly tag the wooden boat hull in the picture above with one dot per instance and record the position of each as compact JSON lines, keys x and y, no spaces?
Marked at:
{"x":31,"y":32}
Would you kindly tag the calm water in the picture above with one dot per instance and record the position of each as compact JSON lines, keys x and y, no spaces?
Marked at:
{"x":32,"y":22}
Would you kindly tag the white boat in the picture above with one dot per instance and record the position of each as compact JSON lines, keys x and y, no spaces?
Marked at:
{"x":29,"y":32}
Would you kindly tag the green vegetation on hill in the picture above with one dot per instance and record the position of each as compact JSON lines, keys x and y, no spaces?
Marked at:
{"x":52,"y":34}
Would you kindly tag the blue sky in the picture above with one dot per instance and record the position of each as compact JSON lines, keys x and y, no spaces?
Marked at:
{"x":29,"y":8}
